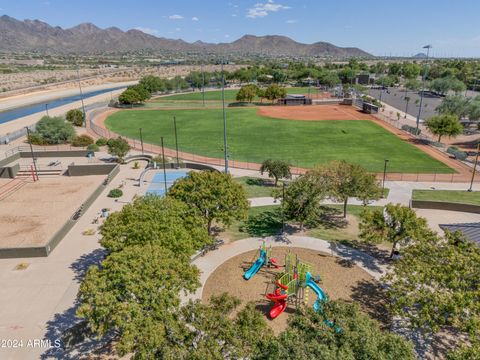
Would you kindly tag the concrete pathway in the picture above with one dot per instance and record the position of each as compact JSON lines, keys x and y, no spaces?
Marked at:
{"x":209,"y":262}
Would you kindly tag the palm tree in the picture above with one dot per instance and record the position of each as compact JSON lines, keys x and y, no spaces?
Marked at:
{"x":407,"y":99}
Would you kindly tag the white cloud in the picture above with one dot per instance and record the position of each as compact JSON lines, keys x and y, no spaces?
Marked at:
{"x":291,"y":21}
{"x":195,"y":18}
{"x":175,"y":17}
{"x":234,"y":15}
{"x":147,"y":30}
{"x":262,"y":9}
{"x":178,"y":29}
{"x":226,"y":36}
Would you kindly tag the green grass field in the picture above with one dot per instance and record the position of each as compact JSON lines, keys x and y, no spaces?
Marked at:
{"x":253,"y":138}
{"x":453,"y":196}
{"x":230,"y":94}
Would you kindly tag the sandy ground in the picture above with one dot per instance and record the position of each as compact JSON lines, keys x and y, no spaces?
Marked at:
{"x":340,"y":280}
{"x":32,"y":215}
{"x":314,"y":112}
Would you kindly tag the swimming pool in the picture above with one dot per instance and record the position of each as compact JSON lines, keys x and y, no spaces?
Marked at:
{"x":157,"y":185}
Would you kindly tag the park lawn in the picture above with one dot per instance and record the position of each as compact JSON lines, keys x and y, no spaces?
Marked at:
{"x":453,"y":196}
{"x":268,"y":222}
{"x":253,"y":138}
{"x":230,"y":94}
{"x":257,"y":187}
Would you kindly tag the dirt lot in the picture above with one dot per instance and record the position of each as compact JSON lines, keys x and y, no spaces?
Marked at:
{"x":32,"y":215}
{"x":314,"y":112}
{"x":340,"y":280}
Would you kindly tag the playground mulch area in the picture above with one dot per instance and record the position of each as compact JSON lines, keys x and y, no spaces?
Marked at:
{"x":339,"y":279}
{"x":31,"y":215}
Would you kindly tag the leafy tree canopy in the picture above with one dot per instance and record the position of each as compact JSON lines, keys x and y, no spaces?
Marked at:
{"x":153,"y":220}
{"x":212,"y":195}
{"x":54,"y":130}
{"x":118,"y":147}
{"x":444,"y":125}
{"x":277,"y":169}
{"x":75,"y":116}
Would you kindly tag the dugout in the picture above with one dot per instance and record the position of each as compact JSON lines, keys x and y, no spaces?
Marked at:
{"x":295,"y":99}
{"x":369,"y":108}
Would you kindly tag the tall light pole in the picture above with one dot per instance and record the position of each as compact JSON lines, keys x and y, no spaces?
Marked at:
{"x":384,"y":176}
{"x":164,"y":169}
{"x":141,"y":139}
{"x":225,"y":144}
{"x":474,"y":169}
{"x":81,"y":94}
{"x":46,"y":109}
{"x":424,"y":76}
{"x":203,"y":85}
{"x":176,"y":139}
{"x":31,"y":151}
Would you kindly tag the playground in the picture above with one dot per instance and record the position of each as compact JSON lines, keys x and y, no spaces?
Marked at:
{"x":276,"y":292}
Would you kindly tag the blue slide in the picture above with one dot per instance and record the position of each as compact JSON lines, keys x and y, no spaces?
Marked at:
{"x":321,"y":296}
{"x":256,"y":266}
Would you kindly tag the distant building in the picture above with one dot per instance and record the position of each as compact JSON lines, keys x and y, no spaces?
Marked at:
{"x":295,"y":99}
{"x":364,"y":79}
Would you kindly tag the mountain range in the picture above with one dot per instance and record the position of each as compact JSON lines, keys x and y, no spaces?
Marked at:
{"x":86,"y":38}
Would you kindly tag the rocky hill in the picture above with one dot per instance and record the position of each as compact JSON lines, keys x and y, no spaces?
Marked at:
{"x":86,"y":38}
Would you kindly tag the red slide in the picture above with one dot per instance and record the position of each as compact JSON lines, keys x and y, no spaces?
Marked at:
{"x":278,"y":308}
{"x":279,"y":302}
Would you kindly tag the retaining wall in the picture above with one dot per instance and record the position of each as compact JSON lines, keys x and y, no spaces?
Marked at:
{"x":440,"y":205}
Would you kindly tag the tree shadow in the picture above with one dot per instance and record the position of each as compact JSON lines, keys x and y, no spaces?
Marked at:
{"x":66,"y":329}
{"x":355,"y":256}
{"x":266,"y":223}
{"x":373,"y":299}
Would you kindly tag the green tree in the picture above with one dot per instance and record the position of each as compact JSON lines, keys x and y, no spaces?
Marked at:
{"x":130,"y":97}
{"x":443,"y":85}
{"x":276,"y":169}
{"x":118,"y":147}
{"x":302,"y":199}
{"x":442,"y":125}
{"x":213,"y":195}
{"x":75,"y":116}
{"x":158,"y":221}
{"x":135,"y":293}
{"x":54,"y":130}
{"x":347,"y":180}
{"x":474,"y":109}
{"x":413,"y":84}
{"x":436,"y":284}
{"x":274,"y":92}
{"x":215,"y":333}
{"x":152,"y":83}
{"x":329,"y":78}
{"x":410,"y":70}
{"x":395,"y":224}
{"x":309,"y":337}
{"x":454,"y":105}
{"x":247,"y":93}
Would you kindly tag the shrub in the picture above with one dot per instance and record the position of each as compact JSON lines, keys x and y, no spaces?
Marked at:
{"x":136,"y":165}
{"x":82,"y":140}
{"x":55,"y":130}
{"x":118,"y":147}
{"x":115,"y":193}
{"x":36,"y":139}
{"x":93,"y":147}
{"x":76,"y":117}
{"x":101,"y":142}
{"x":459,"y":154}
{"x":411,"y":129}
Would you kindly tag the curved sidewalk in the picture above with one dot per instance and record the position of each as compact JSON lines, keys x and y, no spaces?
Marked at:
{"x":212,"y":260}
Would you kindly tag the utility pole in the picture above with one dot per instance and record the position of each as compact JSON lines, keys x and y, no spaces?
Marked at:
{"x":46,"y":109}
{"x":203,"y":85}
{"x":81,"y":95}
{"x":424,"y":76}
{"x":384,"y":176}
{"x":164,"y":169}
{"x":225,"y":144}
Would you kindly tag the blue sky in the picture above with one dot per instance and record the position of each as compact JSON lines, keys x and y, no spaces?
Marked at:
{"x":385,"y":27}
